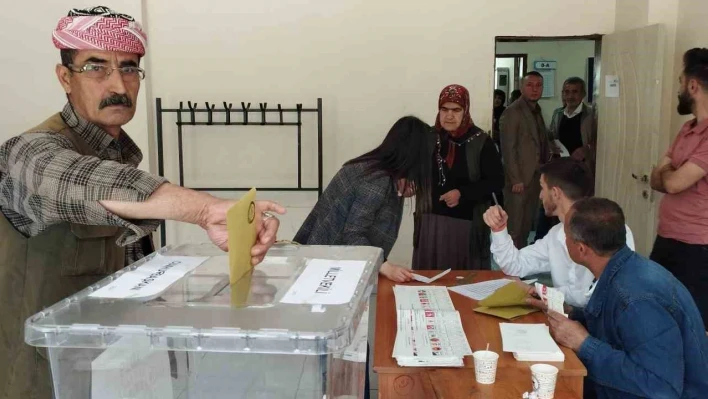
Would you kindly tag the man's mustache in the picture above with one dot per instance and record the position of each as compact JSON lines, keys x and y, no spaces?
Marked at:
{"x":116,"y":99}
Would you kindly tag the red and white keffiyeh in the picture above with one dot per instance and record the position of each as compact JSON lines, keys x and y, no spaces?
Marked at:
{"x":99,"y":28}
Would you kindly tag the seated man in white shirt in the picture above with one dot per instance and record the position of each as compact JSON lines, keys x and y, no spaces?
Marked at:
{"x":563,"y":182}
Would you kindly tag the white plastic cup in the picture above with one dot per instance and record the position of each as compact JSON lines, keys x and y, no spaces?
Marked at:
{"x":485,"y":366}
{"x":543,"y":377}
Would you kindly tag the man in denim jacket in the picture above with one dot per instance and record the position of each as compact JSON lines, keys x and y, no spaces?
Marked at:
{"x":641,"y":334}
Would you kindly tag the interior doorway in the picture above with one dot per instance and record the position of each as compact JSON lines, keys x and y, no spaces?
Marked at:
{"x":509,"y":69}
{"x":557,"y":58}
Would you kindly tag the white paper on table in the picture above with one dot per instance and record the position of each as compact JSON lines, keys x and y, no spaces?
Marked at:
{"x":524,"y":338}
{"x":413,"y":297}
{"x":429,"y":280}
{"x":151,"y":278}
{"x":326,"y":282}
{"x":563,"y":150}
{"x":428,"y":337}
{"x":479,"y":291}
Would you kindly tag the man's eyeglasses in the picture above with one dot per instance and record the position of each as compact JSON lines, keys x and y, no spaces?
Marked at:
{"x":99,"y":71}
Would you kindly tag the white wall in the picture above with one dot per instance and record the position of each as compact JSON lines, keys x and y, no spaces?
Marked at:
{"x":692,"y":32}
{"x":30,"y":90}
{"x":571,"y":56}
{"x":371,"y":62}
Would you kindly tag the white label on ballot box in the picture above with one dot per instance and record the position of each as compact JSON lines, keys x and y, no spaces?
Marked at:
{"x":326,"y":282}
{"x":151,"y":278}
{"x":130,"y":369}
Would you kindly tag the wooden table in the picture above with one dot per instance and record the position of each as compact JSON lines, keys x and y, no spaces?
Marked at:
{"x":513,"y":377}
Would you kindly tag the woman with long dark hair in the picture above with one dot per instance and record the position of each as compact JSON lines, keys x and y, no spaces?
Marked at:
{"x":363,"y":204}
{"x":467,"y":171}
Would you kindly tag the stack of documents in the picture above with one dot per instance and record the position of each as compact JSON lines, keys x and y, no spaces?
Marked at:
{"x":530,"y":342}
{"x":430,"y":331}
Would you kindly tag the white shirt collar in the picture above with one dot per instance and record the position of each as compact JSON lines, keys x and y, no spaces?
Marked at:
{"x":577,"y":111}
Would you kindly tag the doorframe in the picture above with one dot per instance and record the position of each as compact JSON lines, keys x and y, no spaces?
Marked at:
{"x":596,"y":37}
{"x":516,"y":58}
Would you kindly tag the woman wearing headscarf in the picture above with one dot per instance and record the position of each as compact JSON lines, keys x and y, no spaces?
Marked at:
{"x":467,"y":170}
{"x":363,"y":205}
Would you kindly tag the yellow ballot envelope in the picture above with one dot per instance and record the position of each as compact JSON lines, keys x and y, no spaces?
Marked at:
{"x":507,"y":302}
{"x":241,"y":225}
{"x":241,"y":289}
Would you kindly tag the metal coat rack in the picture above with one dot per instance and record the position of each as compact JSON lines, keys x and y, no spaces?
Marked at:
{"x":192,"y":113}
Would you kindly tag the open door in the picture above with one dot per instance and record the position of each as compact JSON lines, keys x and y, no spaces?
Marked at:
{"x":630,"y":125}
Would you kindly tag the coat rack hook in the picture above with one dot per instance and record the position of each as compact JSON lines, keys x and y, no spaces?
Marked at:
{"x":192,"y":108}
{"x":263,"y":112}
{"x":280,"y":112}
{"x":245,"y":109}
{"x":227,"y":110}
{"x":210,"y":111}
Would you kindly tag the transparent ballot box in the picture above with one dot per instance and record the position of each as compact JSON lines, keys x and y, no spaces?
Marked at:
{"x":172,"y":326}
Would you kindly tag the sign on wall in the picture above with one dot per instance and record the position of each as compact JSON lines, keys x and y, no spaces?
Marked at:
{"x":547,"y":69}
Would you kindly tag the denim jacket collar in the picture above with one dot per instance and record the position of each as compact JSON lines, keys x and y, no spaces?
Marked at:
{"x":597,"y":299}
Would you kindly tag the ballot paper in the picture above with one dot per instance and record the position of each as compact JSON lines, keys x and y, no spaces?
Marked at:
{"x":430,"y":332}
{"x":417,"y":297}
{"x":553,"y":297}
{"x":530,"y":342}
{"x":326,"y":282}
{"x":563,"y":151}
{"x":479,"y":291}
{"x":150,"y":278}
{"x":428,"y":280}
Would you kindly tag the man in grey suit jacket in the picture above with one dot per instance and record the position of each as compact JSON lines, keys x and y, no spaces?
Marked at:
{"x":525,"y":147}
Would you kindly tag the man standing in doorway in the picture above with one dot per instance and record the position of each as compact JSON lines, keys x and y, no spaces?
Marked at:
{"x":681,"y":244}
{"x":74,"y":207}
{"x":525,"y":147}
{"x":576,"y":126}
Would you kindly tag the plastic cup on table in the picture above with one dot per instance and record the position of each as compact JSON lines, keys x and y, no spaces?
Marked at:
{"x":543,"y":377}
{"x":485,"y":366}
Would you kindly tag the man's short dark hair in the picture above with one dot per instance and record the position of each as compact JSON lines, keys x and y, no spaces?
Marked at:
{"x":576,"y":81}
{"x":599,"y":224}
{"x":532,"y":73}
{"x":570,"y":176}
{"x":695,"y":65}
{"x":67,"y":56}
